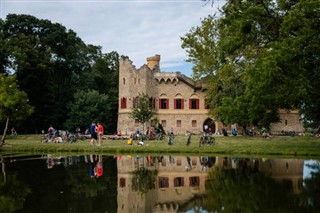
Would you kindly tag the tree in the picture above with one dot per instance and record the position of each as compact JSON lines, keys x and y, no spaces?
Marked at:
{"x":104,"y":77}
{"x":259,"y":57}
{"x":13,"y":102}
{"x":142,"y":110}
{"x":88,"y":106}
{"x":48,"y":60}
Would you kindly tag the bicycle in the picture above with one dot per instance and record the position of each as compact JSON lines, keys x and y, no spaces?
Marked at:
{"x":207,"y":139}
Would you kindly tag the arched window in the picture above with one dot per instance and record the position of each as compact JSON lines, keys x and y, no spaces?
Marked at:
{"x":163,"y":102}
{"x":194,"y":102}
{"x":178,"y":102}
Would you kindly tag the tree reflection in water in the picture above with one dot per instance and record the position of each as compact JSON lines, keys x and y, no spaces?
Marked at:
{"x":144,"y":179}
{"x":249,"y":190}
{"x":179,"y":183}
{"x":12,"y":191}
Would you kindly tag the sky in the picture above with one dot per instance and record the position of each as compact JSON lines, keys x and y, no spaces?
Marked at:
{"x":134,"y":28}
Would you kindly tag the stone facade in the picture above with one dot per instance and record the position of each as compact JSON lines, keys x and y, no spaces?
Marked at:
{"x":179,"y":101}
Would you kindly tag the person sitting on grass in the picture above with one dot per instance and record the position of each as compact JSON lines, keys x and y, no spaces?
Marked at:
{"x":129,"y":141}
{"x":141,"y":143}
{"x":234,"y":132}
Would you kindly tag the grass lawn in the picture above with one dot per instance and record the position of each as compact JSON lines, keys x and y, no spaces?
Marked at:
{"x":280,"y":146}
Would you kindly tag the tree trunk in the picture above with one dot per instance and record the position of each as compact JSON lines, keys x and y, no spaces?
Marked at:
{"x":5,"y":132}
{"x":3,"y":170}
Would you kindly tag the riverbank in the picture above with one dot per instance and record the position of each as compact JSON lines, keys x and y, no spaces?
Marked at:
{"x":280,"y":146}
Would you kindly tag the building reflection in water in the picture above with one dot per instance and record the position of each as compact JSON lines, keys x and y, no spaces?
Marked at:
{"x":181,"y":179}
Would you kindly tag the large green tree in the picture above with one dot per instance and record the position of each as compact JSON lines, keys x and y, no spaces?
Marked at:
{"x":14,"y":103}
{"x":104,"y":78}
{"x":88,"y":106}
{"x":259,"y":56}
{"x":48,"y":60}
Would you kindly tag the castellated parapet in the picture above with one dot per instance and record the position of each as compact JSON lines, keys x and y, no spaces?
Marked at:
{"x":179,"y":101}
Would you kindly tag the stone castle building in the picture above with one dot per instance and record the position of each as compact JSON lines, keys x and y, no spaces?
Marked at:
{"x":179,"y":102}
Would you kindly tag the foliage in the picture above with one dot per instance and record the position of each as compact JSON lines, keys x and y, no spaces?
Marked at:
{"x":51,"y":64}
{"x":14,"y":103}
{"x":88,"y":106}
{"x":12,"y":193}
{"x":247,"y":190}
{"x":46,"y":57}
{"x":143,"y":110}
{"x":104,"y":77}
{"x":144,"y":178}
{"x":259,"y":56}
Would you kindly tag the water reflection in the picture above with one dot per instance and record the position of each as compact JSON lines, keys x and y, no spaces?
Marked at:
{"x":97,"y":183}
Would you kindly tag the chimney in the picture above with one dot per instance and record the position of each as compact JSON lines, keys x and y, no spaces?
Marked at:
{"x":153,"y":62}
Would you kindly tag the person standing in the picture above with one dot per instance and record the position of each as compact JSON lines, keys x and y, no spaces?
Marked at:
{"x":100,"y":133}
{"x":51,"y":133}
{"x":171,"y":137}
{"x":188,"y":134}
{"x":93,"y":132}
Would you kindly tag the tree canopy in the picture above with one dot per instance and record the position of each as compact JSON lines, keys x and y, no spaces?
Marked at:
{"x":14,"y":103}
{"x":52,"y":64}
{"x":259,"y":57}
{"x":142,"y":110}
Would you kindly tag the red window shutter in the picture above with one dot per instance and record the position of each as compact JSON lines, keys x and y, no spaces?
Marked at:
{"x":125,"y":102}
{"x":133,"y":102}
{"x":190,"y":104}
{"x":167,"y":103}
{"x":160,"y":100}
{"x":190,"y":181}
{"x":174,"y":182}
{"x":197,"y":103}
{"x":198,"y":180}
{"x":174,"y":103}
{"x":182,"y":181}
{"x":167,"y":182}
{"x":182,"y":103}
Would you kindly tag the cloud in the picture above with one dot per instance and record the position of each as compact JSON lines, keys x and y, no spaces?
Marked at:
{"x":135,"y":28}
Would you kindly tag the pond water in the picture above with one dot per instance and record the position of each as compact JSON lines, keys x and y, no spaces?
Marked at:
{"x":123,"y":184}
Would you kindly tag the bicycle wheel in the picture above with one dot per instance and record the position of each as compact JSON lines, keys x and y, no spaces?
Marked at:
{"x":212,"y":141}
{"x":201,"y":141}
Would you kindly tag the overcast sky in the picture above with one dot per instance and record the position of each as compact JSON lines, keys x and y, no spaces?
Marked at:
{"x":135,"y":28}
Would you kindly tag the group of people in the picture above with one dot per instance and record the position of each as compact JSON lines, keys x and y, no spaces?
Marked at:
{"x":96,"y":132}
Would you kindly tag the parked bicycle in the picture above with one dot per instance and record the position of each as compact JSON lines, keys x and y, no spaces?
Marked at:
{"x":207,"y":139}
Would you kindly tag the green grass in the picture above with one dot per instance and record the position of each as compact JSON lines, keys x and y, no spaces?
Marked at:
{"x":279,"y":146}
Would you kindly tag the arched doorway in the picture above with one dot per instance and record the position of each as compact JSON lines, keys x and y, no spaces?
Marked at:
{"x":209,"y":126}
